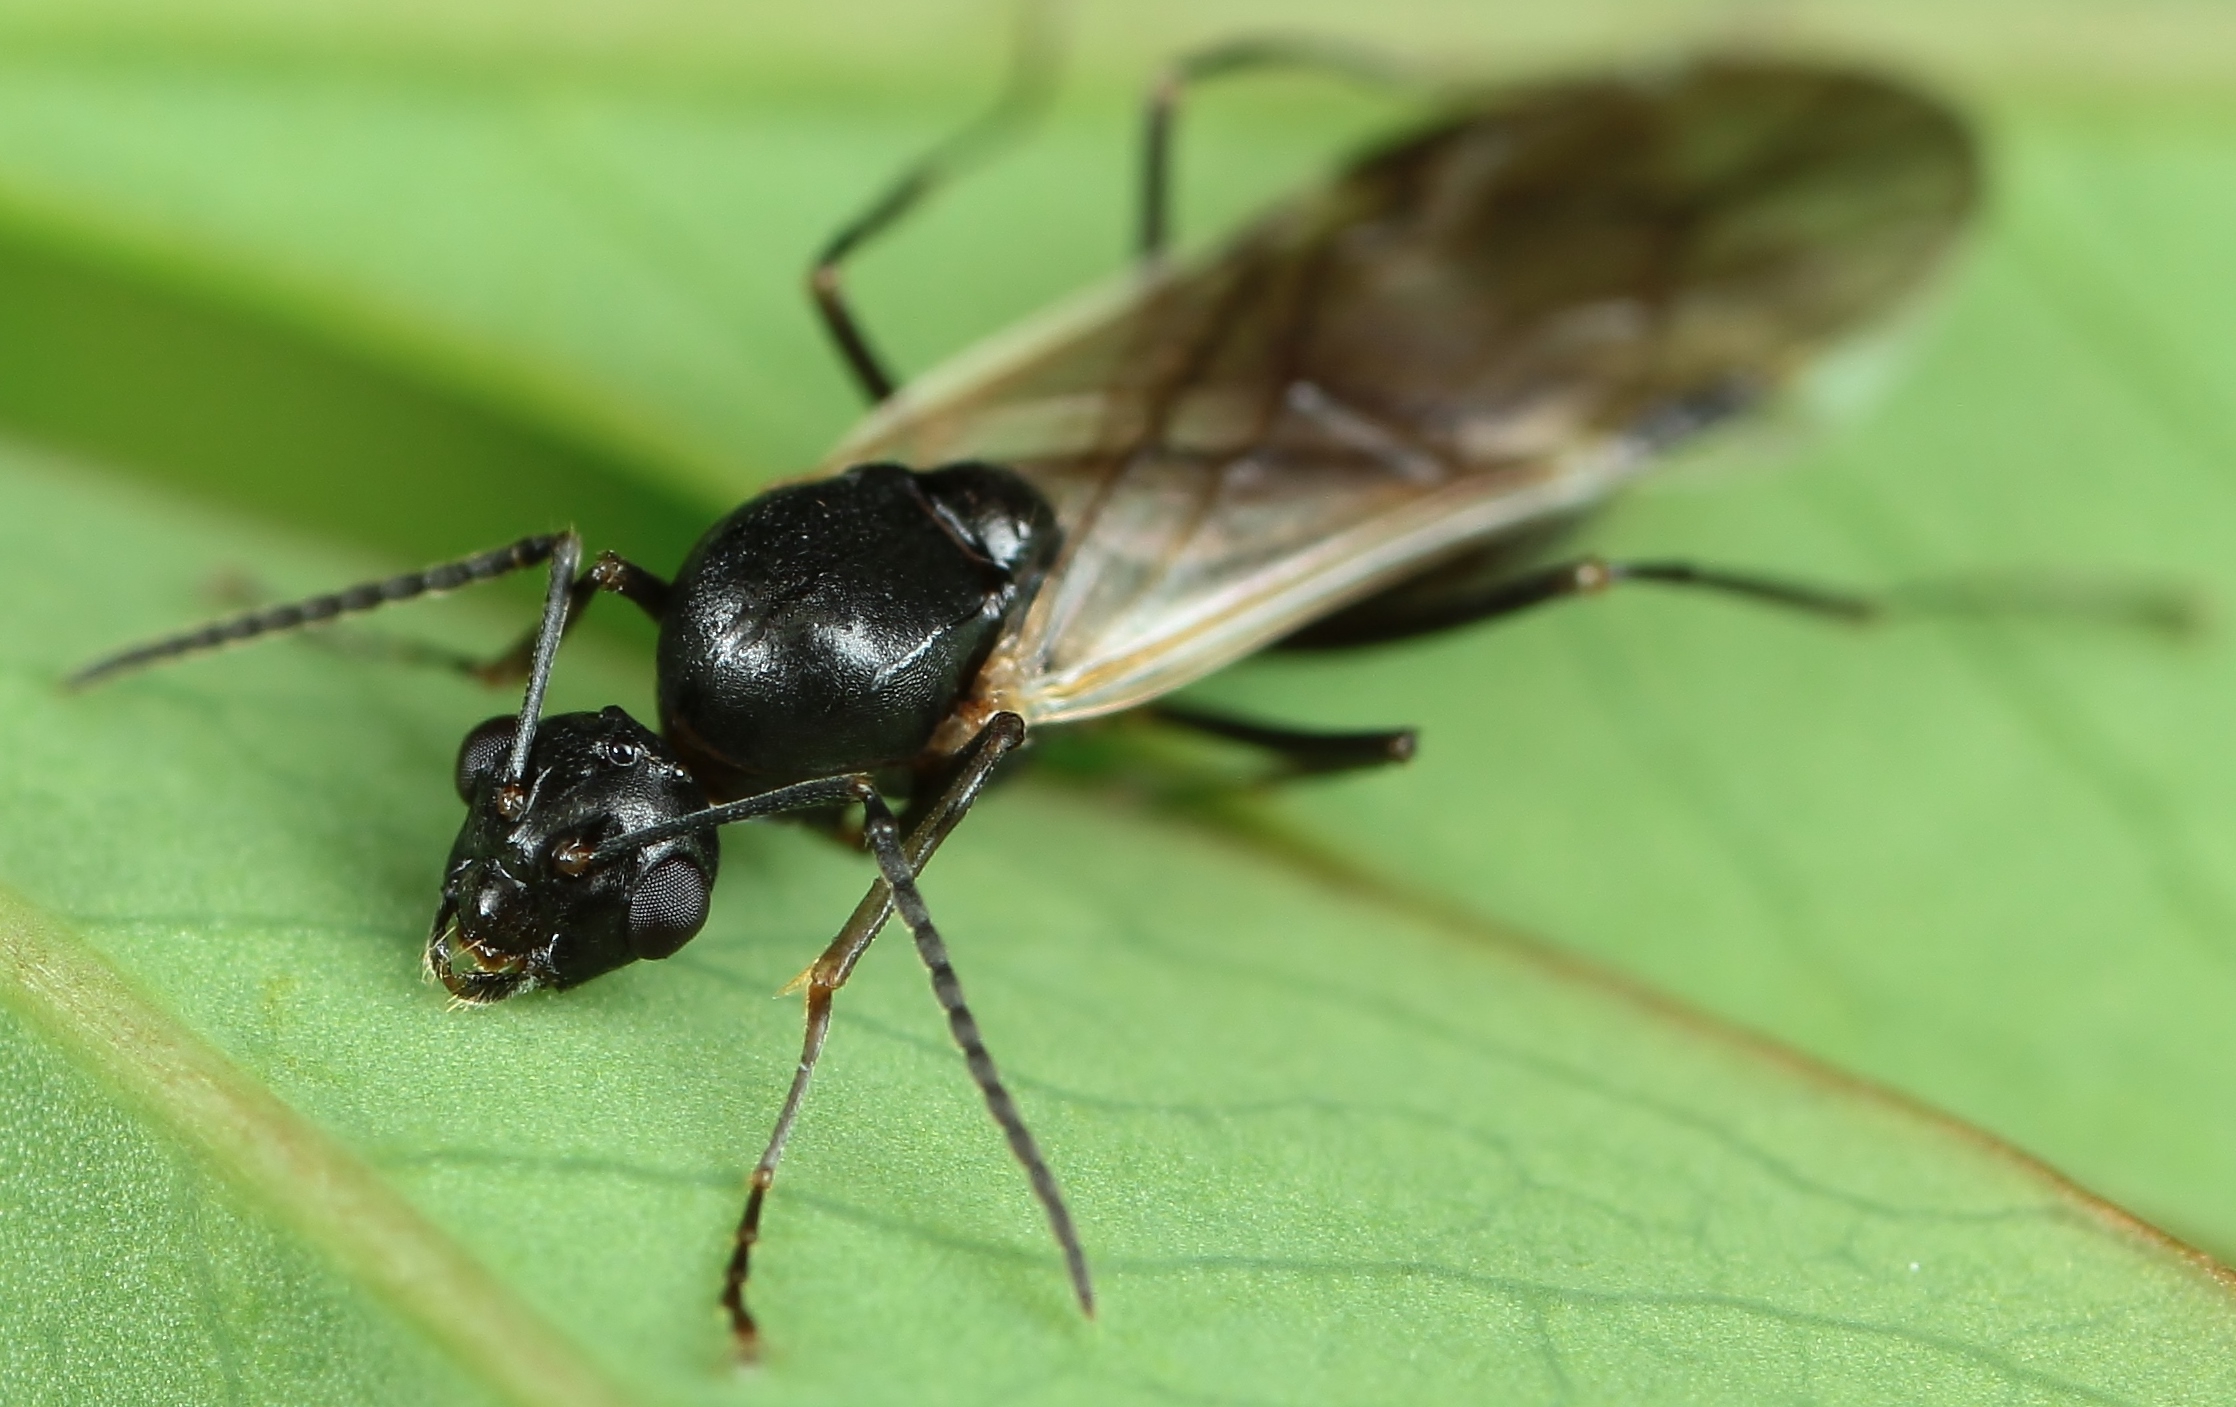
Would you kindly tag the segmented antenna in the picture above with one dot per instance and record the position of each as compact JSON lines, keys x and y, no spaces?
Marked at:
{"x":367,"y":596}
{"x":1001,"y":736}
{"x":883,"y":835}
{"x":566,"y":556}
{"x":800,"y":796}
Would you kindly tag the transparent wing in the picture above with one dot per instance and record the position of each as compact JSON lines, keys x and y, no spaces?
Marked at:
{"x":1489,"y":324}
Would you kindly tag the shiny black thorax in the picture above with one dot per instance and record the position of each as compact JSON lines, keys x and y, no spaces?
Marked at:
{"x":831,"y":626}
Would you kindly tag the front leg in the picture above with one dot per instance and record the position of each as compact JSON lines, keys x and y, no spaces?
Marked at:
{"x":611,"y":572}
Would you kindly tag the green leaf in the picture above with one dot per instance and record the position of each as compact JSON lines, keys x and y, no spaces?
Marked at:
{"x":1332,"y":1128}
{"x":1322,"y":1145}
{"x":1990,"y":864}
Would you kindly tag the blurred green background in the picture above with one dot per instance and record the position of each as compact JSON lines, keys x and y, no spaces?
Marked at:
{"x":1354,"y":1088}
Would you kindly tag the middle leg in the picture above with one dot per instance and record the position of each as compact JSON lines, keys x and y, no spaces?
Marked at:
{"x":611,"y":572}
{"x":1303,"y":753}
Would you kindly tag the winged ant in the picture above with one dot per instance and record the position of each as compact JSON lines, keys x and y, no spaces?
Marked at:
{"x":1372,"y":414}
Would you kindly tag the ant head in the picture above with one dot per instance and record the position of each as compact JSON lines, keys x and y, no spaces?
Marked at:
{"x":528,"y":898}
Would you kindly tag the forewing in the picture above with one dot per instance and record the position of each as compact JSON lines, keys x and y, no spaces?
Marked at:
{"x":1491,"y":323}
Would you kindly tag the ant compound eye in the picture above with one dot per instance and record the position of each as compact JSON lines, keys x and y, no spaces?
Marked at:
{"x":482,"y":750}
{"x":666,"y":907}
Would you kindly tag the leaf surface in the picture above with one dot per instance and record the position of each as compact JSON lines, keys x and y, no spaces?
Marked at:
{"x":1332,"y":1128}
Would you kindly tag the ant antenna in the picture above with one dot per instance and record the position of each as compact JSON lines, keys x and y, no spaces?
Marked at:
{"x":883,"y":835}
{"x":566,"y":555}
{"x":317,"y":610}
{"x":800,"y":796}
{"x":897,"y":862}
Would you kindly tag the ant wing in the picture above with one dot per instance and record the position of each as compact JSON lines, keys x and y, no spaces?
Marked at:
{"x":1481,"y":329}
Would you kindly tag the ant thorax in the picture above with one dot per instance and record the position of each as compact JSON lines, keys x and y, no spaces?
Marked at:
{"x":832,"y":626}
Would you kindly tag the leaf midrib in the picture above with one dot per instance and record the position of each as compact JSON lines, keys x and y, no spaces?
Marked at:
{"x":66,"y":991}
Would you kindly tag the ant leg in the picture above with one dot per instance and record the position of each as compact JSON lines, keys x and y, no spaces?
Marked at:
{"x":1588,"y":576}
{"x":2139,"y":605}
{"x":632,"y":583}
{"x":1305,"y":753}
{"x":1031,"y":79}
{"x":1375,"y":620}
{"x":1220,"y":60}
{"x":1001,"y":736}
{"x":274,"y":620}
{"x":883,"y":836}
{"x":2159,"y":607}
{"x":610,"y":572}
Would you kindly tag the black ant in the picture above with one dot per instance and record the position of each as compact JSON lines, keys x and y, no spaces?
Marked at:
{"x":1372,"y":415}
